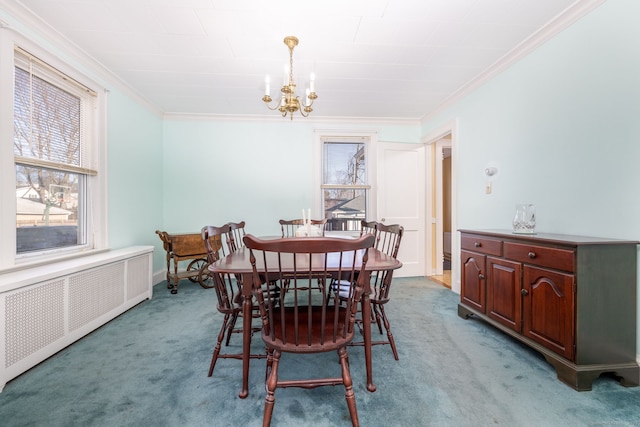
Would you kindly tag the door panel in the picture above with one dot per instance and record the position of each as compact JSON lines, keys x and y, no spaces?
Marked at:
{"x":548,"y":309}
{"x":504,"y":299}
{"x":401,"y":200}
{"x":473,"y":280}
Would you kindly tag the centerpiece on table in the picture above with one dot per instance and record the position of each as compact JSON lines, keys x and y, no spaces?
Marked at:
{"x":307,"y":229}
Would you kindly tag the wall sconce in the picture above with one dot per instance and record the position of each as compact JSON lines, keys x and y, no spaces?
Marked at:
{"x":490,"y":171}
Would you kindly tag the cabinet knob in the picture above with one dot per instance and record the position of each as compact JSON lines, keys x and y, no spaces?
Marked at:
{"x":524,"y":292}
{"x":477,"y":244}
{"x":532,"y":254}
{"x":481,"y":276}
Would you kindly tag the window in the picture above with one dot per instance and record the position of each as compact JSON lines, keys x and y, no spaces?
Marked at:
{"x":345,"y":184}
{"x":53,"y":146}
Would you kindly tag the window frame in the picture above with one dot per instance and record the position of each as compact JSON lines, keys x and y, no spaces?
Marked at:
{"x":370,"y":139}
{"x":95,"y":184}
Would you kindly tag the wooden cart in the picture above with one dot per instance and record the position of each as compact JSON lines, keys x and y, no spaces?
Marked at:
{"x":185,"y":247}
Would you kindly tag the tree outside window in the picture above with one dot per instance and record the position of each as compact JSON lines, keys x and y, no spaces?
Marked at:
{"x":344,"y":184}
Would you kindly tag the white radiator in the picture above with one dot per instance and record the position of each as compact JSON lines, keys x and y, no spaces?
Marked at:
{"x":46,"y":308}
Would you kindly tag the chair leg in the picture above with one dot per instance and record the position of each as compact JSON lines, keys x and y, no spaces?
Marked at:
{"x":216,"y":350}
{"x":269,"y":364}
{"x":271,"y":384}
{"x":387,"y":326}
{"x":348,"y":386}
{"x":232,"y":324}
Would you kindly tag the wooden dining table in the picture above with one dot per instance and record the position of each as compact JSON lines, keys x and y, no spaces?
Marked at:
{"x":239,"y":263}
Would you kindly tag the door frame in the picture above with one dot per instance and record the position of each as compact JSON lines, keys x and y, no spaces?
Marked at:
{"x":448,"y":129}
{"x":441,"y":144}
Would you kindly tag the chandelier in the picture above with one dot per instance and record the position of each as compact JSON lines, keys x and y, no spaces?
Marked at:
{"x":289,"y":102}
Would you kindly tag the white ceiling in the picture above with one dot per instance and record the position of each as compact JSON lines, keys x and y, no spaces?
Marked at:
{"x":371,"y":58}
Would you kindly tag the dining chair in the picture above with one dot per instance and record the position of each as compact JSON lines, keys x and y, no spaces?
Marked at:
{"x":388,"y":238}
{"x":301,"y":322}
{"x":290,"y":226}
{"x":228,"y":288}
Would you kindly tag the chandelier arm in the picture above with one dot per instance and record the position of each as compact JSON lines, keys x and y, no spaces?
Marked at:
{"x":304,"y":112}
{"x":310,"y":104}
{"x":276,"y":107}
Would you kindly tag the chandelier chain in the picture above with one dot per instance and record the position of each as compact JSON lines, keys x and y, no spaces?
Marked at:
{"x":290,"y":66}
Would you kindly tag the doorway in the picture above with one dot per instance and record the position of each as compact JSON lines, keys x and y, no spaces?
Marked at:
{"x":442,"y":168}
{"x":442,"y":239}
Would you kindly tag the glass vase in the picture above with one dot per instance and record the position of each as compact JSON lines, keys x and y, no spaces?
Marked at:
{"x":524,"y":222}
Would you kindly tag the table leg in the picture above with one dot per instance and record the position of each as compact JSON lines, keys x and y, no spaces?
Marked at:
{"x":366,"y":326}
{"x":246,"y":333}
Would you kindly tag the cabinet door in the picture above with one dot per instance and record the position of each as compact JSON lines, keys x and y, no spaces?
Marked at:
{"x":504,"y":287}
{"x":548,"y":309}
{"x":472,"y":292}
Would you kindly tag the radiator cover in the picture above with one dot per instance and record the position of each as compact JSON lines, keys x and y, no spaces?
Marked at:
{"x":46,"y":308}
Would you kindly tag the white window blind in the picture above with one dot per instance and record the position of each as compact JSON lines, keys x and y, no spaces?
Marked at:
{"x":52,"y":118}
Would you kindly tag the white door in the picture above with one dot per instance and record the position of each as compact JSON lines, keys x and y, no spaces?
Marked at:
{"x":401,"y":200}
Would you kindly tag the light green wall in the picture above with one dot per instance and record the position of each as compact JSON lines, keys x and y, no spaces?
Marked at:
{"x":562,"y":126}
{"x":134,"y":170}
{"x":259,"y":172}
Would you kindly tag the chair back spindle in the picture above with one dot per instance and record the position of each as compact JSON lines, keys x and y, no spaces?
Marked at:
{"x":236,"y":234}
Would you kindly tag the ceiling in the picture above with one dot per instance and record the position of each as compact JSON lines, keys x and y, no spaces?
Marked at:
{"x":373,"y":59}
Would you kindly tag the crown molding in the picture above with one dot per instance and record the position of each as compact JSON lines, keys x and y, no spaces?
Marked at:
{"x":277,"y":118}
{"x":568,"y":17}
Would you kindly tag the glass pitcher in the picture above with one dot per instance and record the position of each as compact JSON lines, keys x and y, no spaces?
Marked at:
{"x":524,"y":221}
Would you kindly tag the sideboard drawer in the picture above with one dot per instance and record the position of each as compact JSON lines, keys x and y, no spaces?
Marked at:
{"x":561,"y":259}
{"x":484,"y":245}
